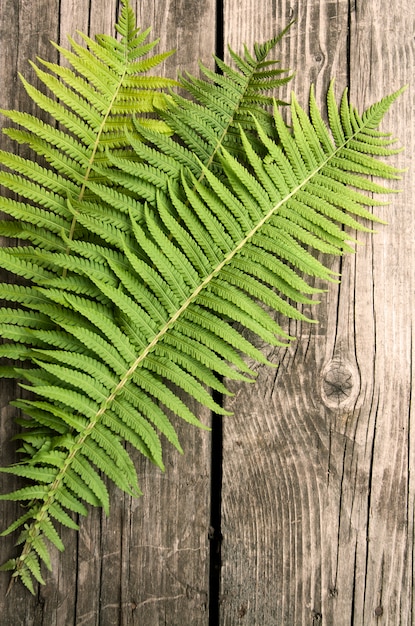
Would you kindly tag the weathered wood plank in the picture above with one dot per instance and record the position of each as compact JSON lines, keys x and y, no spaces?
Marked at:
{"x":26,"y":29}
{"x":318,"y":486}
{"x":317,"y":495}
{"x":148,"y":562}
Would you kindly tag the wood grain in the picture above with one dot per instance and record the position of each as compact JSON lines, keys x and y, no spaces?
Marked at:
{"x":148,"y":562}
{"x":318,"y":459}
{"x":317,"y":486}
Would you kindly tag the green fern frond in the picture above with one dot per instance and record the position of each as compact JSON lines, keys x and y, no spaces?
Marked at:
{"x":94,"y":101}
{"x":166,"y":311}
{"x":132,"y":309}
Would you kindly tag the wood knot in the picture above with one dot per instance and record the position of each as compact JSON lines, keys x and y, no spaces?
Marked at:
{"x":339,"y":383}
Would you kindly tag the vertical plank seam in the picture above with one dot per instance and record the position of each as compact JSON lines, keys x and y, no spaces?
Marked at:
{"x":216,"y":464}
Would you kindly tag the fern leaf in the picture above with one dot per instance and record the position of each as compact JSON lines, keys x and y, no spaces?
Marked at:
{"x":94,"y":101}
{"x":49,"y":531}
{"x":42,"y":474}
{"x":80,"y":482}
{"x":158,"y":296}
{"x":14,"y":526}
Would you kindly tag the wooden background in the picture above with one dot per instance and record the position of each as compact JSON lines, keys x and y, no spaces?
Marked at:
{"x":317,"y":467}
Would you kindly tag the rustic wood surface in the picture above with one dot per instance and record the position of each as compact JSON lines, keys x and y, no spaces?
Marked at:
{"x":318,"y":487}
{"x":318,"y":460}
{"x":148,"y":562}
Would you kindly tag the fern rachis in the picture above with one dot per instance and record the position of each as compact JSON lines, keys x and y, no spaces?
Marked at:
{"x":150,"y":293}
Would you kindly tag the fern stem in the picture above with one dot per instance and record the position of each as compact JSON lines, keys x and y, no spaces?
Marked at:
{"x":91,"y":162}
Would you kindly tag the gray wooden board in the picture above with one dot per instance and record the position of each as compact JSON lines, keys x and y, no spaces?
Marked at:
{"x":318,"y":494}
{"x":147,"y":563}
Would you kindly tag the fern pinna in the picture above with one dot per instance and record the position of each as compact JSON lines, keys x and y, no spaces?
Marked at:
{"x":170,"y":245}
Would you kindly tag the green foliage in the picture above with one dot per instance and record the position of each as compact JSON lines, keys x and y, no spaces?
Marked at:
{"x":149,"y":251}
{"x":93,"y":98}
